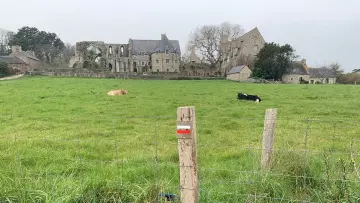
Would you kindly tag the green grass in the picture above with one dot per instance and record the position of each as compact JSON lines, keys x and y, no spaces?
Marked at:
{"x":65,"y":140}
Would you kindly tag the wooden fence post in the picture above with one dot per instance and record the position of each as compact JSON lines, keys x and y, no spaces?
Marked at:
{"x":268,"y":137}
{"x":186,"y":133}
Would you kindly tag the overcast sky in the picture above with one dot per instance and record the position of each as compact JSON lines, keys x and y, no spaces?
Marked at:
{"x":322,"y":31}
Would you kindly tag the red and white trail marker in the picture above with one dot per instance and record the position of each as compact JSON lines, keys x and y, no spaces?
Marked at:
{"x":183,"y":129}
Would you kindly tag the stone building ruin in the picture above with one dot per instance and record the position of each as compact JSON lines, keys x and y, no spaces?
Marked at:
{"x":136,"y":56}
{"x":240,"y":51}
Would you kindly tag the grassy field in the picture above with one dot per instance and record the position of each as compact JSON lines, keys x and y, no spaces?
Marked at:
{"x":65,"y":140}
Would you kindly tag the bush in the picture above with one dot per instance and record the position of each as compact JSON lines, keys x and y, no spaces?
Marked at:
{"x":91,"y":65}
{"x":302,"y":81}
{"x":4,"y":70}
{"x":349,"y":78}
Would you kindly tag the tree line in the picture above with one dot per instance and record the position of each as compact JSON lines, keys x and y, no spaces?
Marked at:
{"x":47,"y":46}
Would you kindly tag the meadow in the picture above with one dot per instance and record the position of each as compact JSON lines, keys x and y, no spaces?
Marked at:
{"x":65,"y":140}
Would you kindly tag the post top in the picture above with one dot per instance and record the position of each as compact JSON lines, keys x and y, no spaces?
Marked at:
{"x":186,"y":107}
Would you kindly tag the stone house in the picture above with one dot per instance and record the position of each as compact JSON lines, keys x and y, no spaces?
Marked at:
{"x":16,"y":64}
{"x":21,"y":61}
{"x":240,"y":51}
{"x":322,"y":75}
{"x":239,"y":73}
{"x":301,"y":72}
{"x":298,"y":72}
{"x":136,"y":56}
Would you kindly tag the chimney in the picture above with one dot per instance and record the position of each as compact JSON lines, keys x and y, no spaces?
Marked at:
{"x":16,"y":49}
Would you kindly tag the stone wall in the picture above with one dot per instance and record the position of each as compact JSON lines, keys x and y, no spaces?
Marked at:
{"x":19,"y":68}
{"x":197,"y":69}
{"x":117,"y":50}
{"x":244,"y":75}
{"x":118,"y":58}
{"x":241,"y":51}
{"x":294,"y":79}
{"x":162,"y":62}
{"x":146,"y":76}
{"x":322,"y":80}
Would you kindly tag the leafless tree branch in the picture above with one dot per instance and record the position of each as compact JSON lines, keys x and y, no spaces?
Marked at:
{"x":207,"y":38}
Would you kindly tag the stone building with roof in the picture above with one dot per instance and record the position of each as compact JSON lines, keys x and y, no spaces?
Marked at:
{"x":21,"y":61}
{"x":301,"y":72}
{"x":322,"y":76}
{"x":239,"y":73}
{"x":136,"y":56}
{"x":240,"y":51}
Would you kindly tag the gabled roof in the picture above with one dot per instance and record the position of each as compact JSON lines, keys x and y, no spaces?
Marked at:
{"x":298,"y":68}
{"x":11,"y":60}
{"x":236,"y":69}
{"x":30,"y":55}
{"x":322,"y":73}
{"x":247,"y":35}
{"x":151,"y":46}
{"x":165,"y":44}
{"x":24,"y":54}
{"x":193,"y":56}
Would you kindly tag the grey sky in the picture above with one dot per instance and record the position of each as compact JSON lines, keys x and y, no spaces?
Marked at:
{"x":322,"y":31}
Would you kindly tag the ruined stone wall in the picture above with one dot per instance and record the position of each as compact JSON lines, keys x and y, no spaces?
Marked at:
{"x":142,"y":61}
{"x":117,"y":50}
{"x":197,"y":69}
{"x":119,"y":58}
{"x":88,"y":74}
{"x":241,"y":50}
{"x":81,"y":48}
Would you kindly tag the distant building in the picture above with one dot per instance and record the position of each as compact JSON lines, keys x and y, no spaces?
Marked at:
{"x":301,"y":72}
{"x":240,"y":51}
{"x":322,"y":75}
{"x":239,"y":73}
{"x":136,"y":56}
{"x":193,"y":58}
{"x":20,"y":60}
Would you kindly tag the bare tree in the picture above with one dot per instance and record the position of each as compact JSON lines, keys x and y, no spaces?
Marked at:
{"x":207,"y":38}
{"x":337,"y":69}
{"x":5,"y":37}
{"x":68,"y":52}
{"x":233,"y":31}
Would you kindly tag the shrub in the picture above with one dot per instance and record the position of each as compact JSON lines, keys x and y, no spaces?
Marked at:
{"x":4,"y":69}
{"x":302,"y":81}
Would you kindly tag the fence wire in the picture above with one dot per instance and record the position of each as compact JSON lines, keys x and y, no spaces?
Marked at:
{"x":314,"y":160}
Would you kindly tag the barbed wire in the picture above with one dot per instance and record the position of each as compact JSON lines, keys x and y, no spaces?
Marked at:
{"x":157,"y":160}
{"x":113,"y":117}
{"x":276,"y":174}
{"x":254,"y":197}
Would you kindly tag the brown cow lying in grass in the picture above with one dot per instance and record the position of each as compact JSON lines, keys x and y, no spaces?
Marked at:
{"x":117,"y":92}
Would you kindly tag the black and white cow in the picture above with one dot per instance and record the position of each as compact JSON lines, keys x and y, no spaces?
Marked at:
{"x":242,"y":96}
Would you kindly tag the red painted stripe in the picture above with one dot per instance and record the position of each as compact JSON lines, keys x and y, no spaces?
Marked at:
{"x":186,"y":132}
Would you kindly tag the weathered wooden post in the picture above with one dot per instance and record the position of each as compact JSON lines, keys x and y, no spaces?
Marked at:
{"x":268,"y":137}
{"x":186,"y":133}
